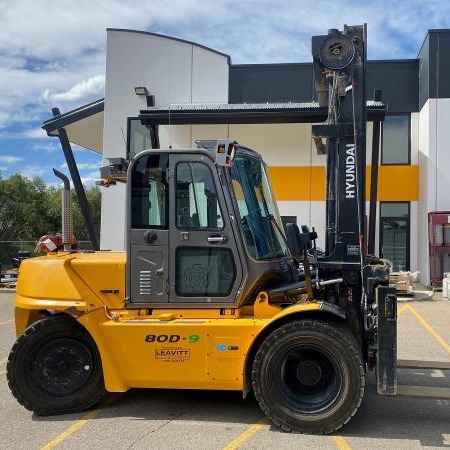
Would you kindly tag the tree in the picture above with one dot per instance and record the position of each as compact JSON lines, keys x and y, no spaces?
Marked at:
{"x":23,"y":208}
{"x":94,"y":200}
{"x":30,"y":209}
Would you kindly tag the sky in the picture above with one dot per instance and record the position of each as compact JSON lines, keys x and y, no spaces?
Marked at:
{"x":52,"y":53}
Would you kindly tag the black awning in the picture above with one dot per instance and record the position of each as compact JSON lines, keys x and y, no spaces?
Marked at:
{"x":63,"y":120}
{"x":247,"y":113}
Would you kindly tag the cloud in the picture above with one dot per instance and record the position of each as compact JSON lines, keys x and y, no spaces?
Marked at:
{"x":58,"y":58}
{"x":65,"y":66}
{"x":10,"y":159}
{"x":89,"y":179}
{"x":35,"y":133}
{"x":84,"y":166}
{"x":93,"y":86}
{"x":46,"y":148}
{"x":32,"y":171}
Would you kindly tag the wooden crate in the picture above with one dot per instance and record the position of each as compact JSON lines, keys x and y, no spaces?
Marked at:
{"x":402,"y":283}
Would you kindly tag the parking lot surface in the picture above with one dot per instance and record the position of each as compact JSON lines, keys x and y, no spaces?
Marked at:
{"x":171,"y":419}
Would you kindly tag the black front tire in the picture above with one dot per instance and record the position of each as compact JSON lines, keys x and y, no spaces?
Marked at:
{"x":308,"y":376}
{"x":55,"y":367}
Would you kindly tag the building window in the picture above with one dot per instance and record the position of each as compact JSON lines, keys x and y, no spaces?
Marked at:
{"x":140,"y":137}
{"x":394,"y":233}
{"x":396,"y":140}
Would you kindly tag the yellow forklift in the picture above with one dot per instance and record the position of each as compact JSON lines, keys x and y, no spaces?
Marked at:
{"x":211,"y":292}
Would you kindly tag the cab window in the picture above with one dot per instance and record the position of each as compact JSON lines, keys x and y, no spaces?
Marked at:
{"x":150,"y":192}
{"x":197,"y":205}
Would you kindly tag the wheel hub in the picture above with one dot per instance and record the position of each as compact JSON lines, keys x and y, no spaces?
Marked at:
{"x":309,"y":373}
{"x":62,"y":366}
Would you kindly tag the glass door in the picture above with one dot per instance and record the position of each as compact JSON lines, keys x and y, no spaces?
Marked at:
{"x":394,"y":234}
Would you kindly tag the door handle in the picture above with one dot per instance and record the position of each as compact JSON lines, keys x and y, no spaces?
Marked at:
{"x":217,"y":239}
{"x":150,"y":237}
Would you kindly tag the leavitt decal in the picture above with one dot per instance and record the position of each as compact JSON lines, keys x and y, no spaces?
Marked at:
{"x":172,"y":354}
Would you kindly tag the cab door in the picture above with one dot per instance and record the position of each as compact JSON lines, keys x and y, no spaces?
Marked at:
{"x":148,"y":228}
{"x":204,"y":262}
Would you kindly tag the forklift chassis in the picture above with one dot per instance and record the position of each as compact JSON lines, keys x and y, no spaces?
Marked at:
{"x":210,"y":293}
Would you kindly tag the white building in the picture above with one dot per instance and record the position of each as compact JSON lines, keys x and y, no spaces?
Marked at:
{"x":188,"y":80}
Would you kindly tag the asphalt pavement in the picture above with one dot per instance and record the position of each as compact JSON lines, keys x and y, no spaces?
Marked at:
{"x":171,"y":419}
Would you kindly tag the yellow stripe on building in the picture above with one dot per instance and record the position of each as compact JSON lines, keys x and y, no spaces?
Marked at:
{"x":307,"y":183}
{"x":396,"y":183}
{"x":298,"y":182}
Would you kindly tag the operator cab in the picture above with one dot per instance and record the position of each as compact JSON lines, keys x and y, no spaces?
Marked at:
{"x":199,"y":220}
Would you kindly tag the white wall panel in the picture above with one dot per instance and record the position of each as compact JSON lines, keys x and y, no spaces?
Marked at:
{"x":112,"y":236}
{"x":318,"y":221}
{"x":209,"y":77}
{"x":369,"y":139}
{"x":414,"y":237}
{"x":299,"y":209}
{"x":443,"y":155}
{"x":172,"y":71}
{"x":415,"y":125}
{"x":427,"y":183}
{"x":177,"y":136}
{"x":377,"y":227}
{"x":185,"y":136}
{"x":308,"y":213}
{"x":286,"y":144}
{"x":434,"y":177}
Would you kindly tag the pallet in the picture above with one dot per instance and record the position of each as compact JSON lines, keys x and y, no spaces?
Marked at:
{"x":402,"y":283}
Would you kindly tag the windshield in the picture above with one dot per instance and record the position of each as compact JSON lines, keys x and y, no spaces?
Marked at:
{"x":257,"y":209}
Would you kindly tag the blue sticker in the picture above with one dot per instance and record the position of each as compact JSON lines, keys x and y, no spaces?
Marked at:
{"x":221,"y":348}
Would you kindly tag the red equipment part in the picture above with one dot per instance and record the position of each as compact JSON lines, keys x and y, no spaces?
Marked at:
{"x":53,"y":242}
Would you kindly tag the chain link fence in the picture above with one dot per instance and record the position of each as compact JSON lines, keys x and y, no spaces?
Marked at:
{"x":11,"y":249}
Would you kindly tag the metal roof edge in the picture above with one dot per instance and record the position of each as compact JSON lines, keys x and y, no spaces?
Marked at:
{"x":246,"y":106}
{"x":184,"y":41}
{"x":281,"y":64}
{"x":310,"y":64}
{"x":253,"y":113}
{"x":73,"y":116}
{"x":384,"y":61}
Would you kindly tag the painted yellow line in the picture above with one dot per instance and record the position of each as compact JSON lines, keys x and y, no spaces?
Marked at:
{"x":6,"y":321}
{"x":401,"y":310}
{"x":247,"y":434}
{"x":79,"y":423}
{"x":429,"y":328}
{"x":340,"y":442}
{"x":75,"y":427}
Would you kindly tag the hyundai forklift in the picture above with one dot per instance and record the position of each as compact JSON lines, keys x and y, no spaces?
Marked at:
{"x":211,"y":292}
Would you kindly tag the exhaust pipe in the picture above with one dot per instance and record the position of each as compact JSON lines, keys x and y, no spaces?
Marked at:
{"x":66,"y":211}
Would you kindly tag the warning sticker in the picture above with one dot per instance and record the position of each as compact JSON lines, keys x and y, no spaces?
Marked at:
{"x":353,"y":250}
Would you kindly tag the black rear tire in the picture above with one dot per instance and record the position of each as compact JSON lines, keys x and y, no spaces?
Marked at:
{"x":55,"y":367}
{"x":308,"y":376}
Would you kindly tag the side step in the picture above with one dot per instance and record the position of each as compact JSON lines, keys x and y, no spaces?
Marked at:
{"x":423,"y":392}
